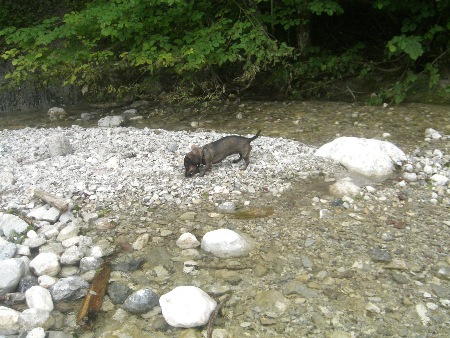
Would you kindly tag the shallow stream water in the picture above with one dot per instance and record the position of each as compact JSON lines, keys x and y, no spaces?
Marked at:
{"x":319,"y":265}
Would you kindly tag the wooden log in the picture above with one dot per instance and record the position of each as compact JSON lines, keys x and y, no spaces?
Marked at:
{"x":93,"y":301}
{"x":53,"y":200}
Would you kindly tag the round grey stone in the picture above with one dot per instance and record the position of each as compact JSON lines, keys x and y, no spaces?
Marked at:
{"x":141,"y":301}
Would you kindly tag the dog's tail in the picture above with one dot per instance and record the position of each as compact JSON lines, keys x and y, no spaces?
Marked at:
{"x":254,"y":137}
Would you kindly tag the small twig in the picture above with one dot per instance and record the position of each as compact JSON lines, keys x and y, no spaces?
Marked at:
{"x":213,"y":316}
{"x":224,"y":267}
{"x":354,"y":97}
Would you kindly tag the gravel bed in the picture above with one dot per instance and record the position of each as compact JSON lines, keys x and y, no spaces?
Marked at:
{"x":143,"y":164}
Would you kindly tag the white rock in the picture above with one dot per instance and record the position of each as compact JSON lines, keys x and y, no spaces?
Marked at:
{"x":11,"y":224}
{"x":111,"y":121}
{"x":423,"y":314}
{"x":38,"y":212}
{"x":9,"y":321}
{"x":102,"y":249}
{"x":31,"y":318}
{"x":51,"y":215}
{"x":56,"y":113}
{"x":370,"y":189}
{"x":23,"y":250}
{"x":428,"y":169}
{"x":39,"y":298}
{"x":32,"y":234}
{"x":411,"y":177}
{"x":141,"y":242}
{"x":368,"y":157}
{"x":7,"y":179}
{"x":66,"y":217}
{"x":187,"y":241}
{"x":46,"y":281}
{"x":439,"y":179}
{"x":37,"y":332}
{"x":11,"y":271}
{"x":438,"y":153}
{"x":46,"y":263}
{"x":72,"y":255}
{"x":345,"y":187}
{"x":225,"y":243}
{"x":433,"y":134}
{"x":113,"y":163}
{"x":34,"y":242}
{"x":58,"y":145}
{"x":68,"y":232}
{"x":187,"y":306}
{"x":373,"y":308}
{"x":226,"y":207}
{"x":190,"y":267}
{"x":67,"y":243}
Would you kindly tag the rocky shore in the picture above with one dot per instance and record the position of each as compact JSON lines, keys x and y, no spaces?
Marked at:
{"x":372,"y":264}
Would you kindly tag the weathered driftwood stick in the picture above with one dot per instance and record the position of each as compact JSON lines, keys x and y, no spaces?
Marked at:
{"x":213,"y":316}
{"x":93,"y":301}
{"x":53,"y":200}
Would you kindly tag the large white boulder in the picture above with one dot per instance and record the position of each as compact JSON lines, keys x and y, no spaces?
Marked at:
{"x":368,"y":157}
{"x":225,"y":243}
{"x":187,"y":306}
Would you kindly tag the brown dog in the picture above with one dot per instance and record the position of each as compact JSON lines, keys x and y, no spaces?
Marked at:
{"x":216,"y":151}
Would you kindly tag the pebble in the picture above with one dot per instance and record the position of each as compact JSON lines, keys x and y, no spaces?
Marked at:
{"x":118,"y":292}
{"x":379,"y":255}
{"x":187,"y":241}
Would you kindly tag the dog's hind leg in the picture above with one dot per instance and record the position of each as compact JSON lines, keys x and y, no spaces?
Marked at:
{"x":238,"y":159}
{"x":246,"y":156}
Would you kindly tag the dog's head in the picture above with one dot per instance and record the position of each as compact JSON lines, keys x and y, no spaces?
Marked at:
{"x":192,"y":161}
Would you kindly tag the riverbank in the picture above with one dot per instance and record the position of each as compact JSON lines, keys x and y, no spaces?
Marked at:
{"x":374,"y":265}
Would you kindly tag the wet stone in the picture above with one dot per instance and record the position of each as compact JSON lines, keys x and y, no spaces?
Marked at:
{"x":118,"y":292}
{"x":260,"y":270}
{"x":226,"y":207}
{"x":26,"y":283}
{"x":306,"y":262}
{"x":444,"y":273}
{"x":129,"y":265}
{"x":272,"y":301}
{"x":400,"y":278}
{"x":141,"y":301}
{"x":441,"y":291}
{"x":294,"y":287}
{"x":379,"y":255}
{"x":309,"y":241}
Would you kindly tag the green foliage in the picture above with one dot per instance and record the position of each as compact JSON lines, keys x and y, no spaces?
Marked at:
{"x":409,"y":45}
{"x":328,"y":7}
{"x":322,"y":69}
{"x":112,"y":37}
{"x":212,"y":48}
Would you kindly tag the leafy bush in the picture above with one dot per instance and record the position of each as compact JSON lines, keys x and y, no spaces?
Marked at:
{"x":119,"y":48}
